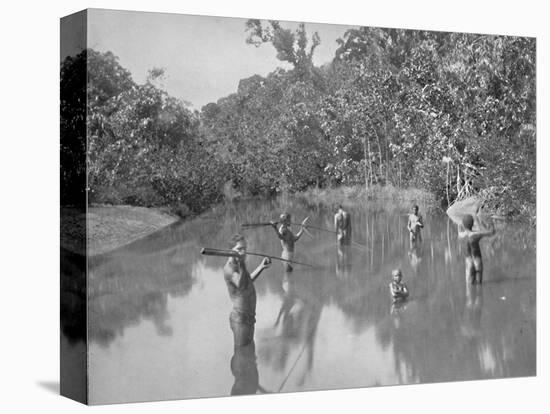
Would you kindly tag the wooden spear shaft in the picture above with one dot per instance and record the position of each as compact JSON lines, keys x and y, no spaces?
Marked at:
{"x":296,"y":224}
{"x":231,"y":253}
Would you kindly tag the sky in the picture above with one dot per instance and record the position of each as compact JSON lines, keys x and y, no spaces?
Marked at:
{"x":204,"y":57}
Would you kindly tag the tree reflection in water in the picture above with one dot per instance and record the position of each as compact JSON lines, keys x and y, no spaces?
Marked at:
{"x":295,"y":326}
{"x":337,"y":315}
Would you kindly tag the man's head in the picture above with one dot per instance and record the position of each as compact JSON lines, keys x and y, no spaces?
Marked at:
{"x":239,"y":244}
{"x":468,"y":221}
{"x":396,"y":275}
{"x":285,"y":219}
{"x":415,"y":209}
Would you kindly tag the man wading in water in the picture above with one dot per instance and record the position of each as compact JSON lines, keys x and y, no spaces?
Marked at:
{"x":240,"y":285}
{"x":414,"y":225}
{"x":474,"y":263}
{"x":342,"y":224}
{"x":287,"y":237}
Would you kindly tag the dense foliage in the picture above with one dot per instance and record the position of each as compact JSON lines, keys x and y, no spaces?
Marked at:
{"x":448,"y":112}
{"x":144,"y":146}
{"x":73,"y":130}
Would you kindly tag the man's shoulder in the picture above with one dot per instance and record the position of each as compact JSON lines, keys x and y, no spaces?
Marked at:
{"x":285,"y":230}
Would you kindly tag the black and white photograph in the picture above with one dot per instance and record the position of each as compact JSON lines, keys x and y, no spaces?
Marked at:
{"x":255,"y":206}
{"x":274,"y":207}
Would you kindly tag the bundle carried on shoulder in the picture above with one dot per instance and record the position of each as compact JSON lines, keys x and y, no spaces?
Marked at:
{"x":459,"y":209}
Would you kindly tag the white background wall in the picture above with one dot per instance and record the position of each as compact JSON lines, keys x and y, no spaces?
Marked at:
{"x":29,"y":269}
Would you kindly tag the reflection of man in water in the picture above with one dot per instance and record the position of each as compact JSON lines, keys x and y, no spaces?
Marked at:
{"x":474,"y":263}
{"x":415,"y":257}
{"x":299,"y":318}
{"x":342,"y":225}
{"x":288,"y":239}
{"x":343,"y":262}
{"x":240,"y":285}
{"x":245,"y":370}
{"x":471,"y":325}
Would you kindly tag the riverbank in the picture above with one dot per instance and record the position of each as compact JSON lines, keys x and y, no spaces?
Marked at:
{"x":386,"y":197}
{"x":110,"y":227}
{"x":391,"y":198}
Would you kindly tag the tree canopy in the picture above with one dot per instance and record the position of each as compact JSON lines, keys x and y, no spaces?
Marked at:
{"x":452,"y":113}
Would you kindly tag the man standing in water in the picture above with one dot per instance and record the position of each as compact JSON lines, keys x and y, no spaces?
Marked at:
{"x":342,"y":224}
{"x":287,"y":237}
{"x":240,"y":285}
{"x":414,"y":225}
{"x":398,"y":288}
{"x":474,"y":263}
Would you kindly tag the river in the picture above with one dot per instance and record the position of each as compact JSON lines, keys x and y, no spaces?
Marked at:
{"x":158,"y":311}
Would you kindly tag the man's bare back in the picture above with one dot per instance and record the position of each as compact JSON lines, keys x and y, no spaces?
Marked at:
{"x":342,"y":225}
{"x":473,"y":260}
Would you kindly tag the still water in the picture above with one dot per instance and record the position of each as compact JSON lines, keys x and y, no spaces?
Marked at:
{"x":158,"y":311}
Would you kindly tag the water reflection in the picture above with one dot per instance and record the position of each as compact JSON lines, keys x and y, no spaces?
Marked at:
{"x":245,"y":370}
{"x":296,"y":325}
{"x":344,"y":261}
{"x":471,"y":321}
{"x":73,"y":313}
{"x":133,"y":284}
{"x":73,"y":296}
{"x":332,"y":326}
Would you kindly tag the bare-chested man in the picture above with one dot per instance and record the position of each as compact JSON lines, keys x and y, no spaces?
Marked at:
{"x":342,"y":225}
{"x":474,"y":263}
{"x":240,"y":285}
{"x":398,"y":288}
{"x":415,"y":224}
{"x":288,"y":239}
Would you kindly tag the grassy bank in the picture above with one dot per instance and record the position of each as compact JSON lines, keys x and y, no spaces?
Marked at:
{"x":393,"y":198}
{"x":377,"y":197}
{"x":110,"y":227}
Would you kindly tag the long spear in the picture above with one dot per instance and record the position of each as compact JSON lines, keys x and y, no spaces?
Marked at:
{"x":232,"y":253}
{"x":278,"y":222}
{"x":335,"y":232}
{"x":249,"y":225}
{"x":245,"y":225}
{"x":292,"y":368}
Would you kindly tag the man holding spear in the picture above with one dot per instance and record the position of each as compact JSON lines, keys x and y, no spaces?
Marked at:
{"x":288,"y":239}
{"x":240,"y":286}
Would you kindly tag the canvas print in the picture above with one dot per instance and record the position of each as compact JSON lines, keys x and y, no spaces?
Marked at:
{"x":257,"y":206}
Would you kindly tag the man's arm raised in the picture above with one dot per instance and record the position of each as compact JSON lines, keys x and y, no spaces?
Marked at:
{"x":274,"y":225}
{"x":487,"y":233}
{"x":302,"y":229}
{"x":266,"y":262}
